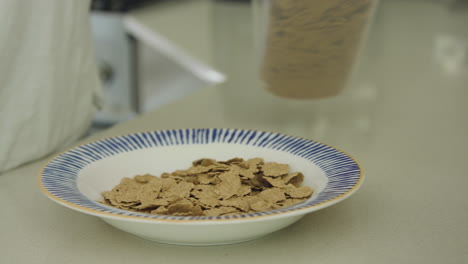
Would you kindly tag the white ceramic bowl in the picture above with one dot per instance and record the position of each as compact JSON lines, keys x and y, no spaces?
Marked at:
{"x":77,"y":177}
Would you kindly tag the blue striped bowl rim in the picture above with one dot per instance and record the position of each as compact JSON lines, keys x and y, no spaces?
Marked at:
{"x":58,"y":177}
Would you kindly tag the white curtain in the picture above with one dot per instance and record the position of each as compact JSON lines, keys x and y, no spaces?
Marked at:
{"x":48,"y":79}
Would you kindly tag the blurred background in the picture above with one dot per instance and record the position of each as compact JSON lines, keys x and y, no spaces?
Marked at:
{"x":386,"y":80}
{"x":154,"y":52}
{"x":151,"y":53}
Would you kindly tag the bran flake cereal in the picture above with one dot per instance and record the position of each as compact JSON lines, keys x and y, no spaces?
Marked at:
{"x":212,"y":188}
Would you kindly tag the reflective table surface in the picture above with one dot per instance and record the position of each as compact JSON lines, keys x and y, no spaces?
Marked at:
{"x":404,"y":116}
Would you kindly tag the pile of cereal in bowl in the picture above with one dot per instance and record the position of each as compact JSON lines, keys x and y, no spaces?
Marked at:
{"x":212,"y":188}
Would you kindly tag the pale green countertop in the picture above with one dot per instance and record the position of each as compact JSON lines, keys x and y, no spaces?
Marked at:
{"x":403,"y":116}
